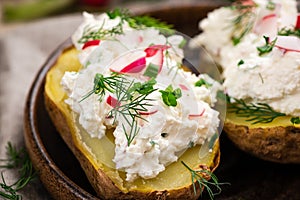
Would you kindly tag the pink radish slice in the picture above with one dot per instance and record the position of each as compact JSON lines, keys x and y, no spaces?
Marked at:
{"x":157,"y":59}
{"x":152,"y":50}
{"x":91,"y":43}
{"x":267,"y":26}
{"x":248,"y":3}
{"x":288,"y":43}
{"x":136,"y":60}
{"x":193,"y":116}
{"x":183,"y":87}
{"x":298,"y":22}
{"x":148,"y":113}
{"x":135,"y":66}
{"x":113,"y":102}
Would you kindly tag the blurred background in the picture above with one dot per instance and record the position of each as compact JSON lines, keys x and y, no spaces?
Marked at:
{"x":13,"y":12}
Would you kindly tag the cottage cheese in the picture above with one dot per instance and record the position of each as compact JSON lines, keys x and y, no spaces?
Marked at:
{"x":273,"y":78}
{"x":168,"y":130}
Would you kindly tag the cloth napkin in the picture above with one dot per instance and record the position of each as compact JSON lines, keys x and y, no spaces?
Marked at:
{"x":23,"y":50}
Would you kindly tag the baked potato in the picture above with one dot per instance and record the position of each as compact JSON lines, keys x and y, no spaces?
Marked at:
{"x":258,"y":59}
{"x":278,"y":141}
{"x":173,"y":183}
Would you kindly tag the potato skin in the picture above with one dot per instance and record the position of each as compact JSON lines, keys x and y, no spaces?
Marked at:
{"x":277,"y":144}
{"x":103,"y":185}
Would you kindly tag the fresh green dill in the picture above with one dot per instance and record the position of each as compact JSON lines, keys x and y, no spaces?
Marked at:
{"x":254,"y":112}
{"x":205,"y":180}
{"x":202,"y":82}
{"x":271,"y":5}
{"x":240,"y":63}
{"x":89,"y":32}
{"x":103,"y":84}
{"x":133,"y":99}
{"x":136,"y":22}
{"x":170,"y":96}
{"x":139,"y":22}
{"x":295,"y":120}
{"x":16,"y":159}
{"x":244,"y":22}
{"x":287,"y":32}
{"x":268,"y":47}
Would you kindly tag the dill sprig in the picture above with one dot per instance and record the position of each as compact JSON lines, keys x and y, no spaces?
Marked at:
{"x":255,"y":112}
{"x":136,"y":22}
{"x":244,"y":22}
{"x":16,"y":159}
{"x":205,"y":179}
{"x":139,"y":22}
{"x":287,"y":32}
{"x":90,"y":34}
{"x":103,"y":84}
{"x":132,"y":100}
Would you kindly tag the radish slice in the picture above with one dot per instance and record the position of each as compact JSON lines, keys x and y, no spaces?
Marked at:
{"x":183,"y":87}
{"x":113,"y":102}
{"x":152,"y":50}
{"x":193,"y":116}
{"x":248,"y":3}
{"x":136,"y":60}
{"x":267,"y":26}
{"x":91,"y":43}
{"x":158,"y":59}
{"x":298,"y":22}
{"x":155,"y":64}
{"x":148,"y":113}
{"x":135,"y":66}
{"x":288,"y":43}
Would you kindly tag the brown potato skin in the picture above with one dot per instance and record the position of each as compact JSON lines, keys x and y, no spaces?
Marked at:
{"x":104,"y":187}
{"x":277,"y":144}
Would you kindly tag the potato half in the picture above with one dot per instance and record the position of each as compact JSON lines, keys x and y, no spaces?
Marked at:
{"x":109,"y":183}
{"x":278,"y":141}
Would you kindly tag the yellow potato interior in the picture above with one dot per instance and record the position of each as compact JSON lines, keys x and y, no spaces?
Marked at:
{"x":279,"y":121}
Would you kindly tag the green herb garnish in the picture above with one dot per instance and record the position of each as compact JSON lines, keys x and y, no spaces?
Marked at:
{"x":103,"y":84}
{"x":133,"y":99}
{"x":255,"y":112}
{"x":268,"y":47}
{"x":240,"y":63}
{"x":170,"y":96}
{"x":202,"y":82}
{"x":202,"y":177}
{"x":16,"y":159}
{"x":287,"y":32}
{"x":136,"y":22}
{"x":244,"y":22}
{"x":295,"y":120}
{"x":271,"y":5}
{"x":143,"y":88}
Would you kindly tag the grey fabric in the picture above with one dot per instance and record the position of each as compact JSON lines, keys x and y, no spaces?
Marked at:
{"x":23,"y":50}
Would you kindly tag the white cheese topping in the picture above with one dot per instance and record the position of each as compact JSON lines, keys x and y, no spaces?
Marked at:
{"x":165,"y":131}
{"x":272,"y":78}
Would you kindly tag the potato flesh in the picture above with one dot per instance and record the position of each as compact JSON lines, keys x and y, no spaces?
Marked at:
{"x":101,"y":152}
{"x":279,"y":121}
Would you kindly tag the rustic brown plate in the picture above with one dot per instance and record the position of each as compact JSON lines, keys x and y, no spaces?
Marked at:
{"x":62,"y":176}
